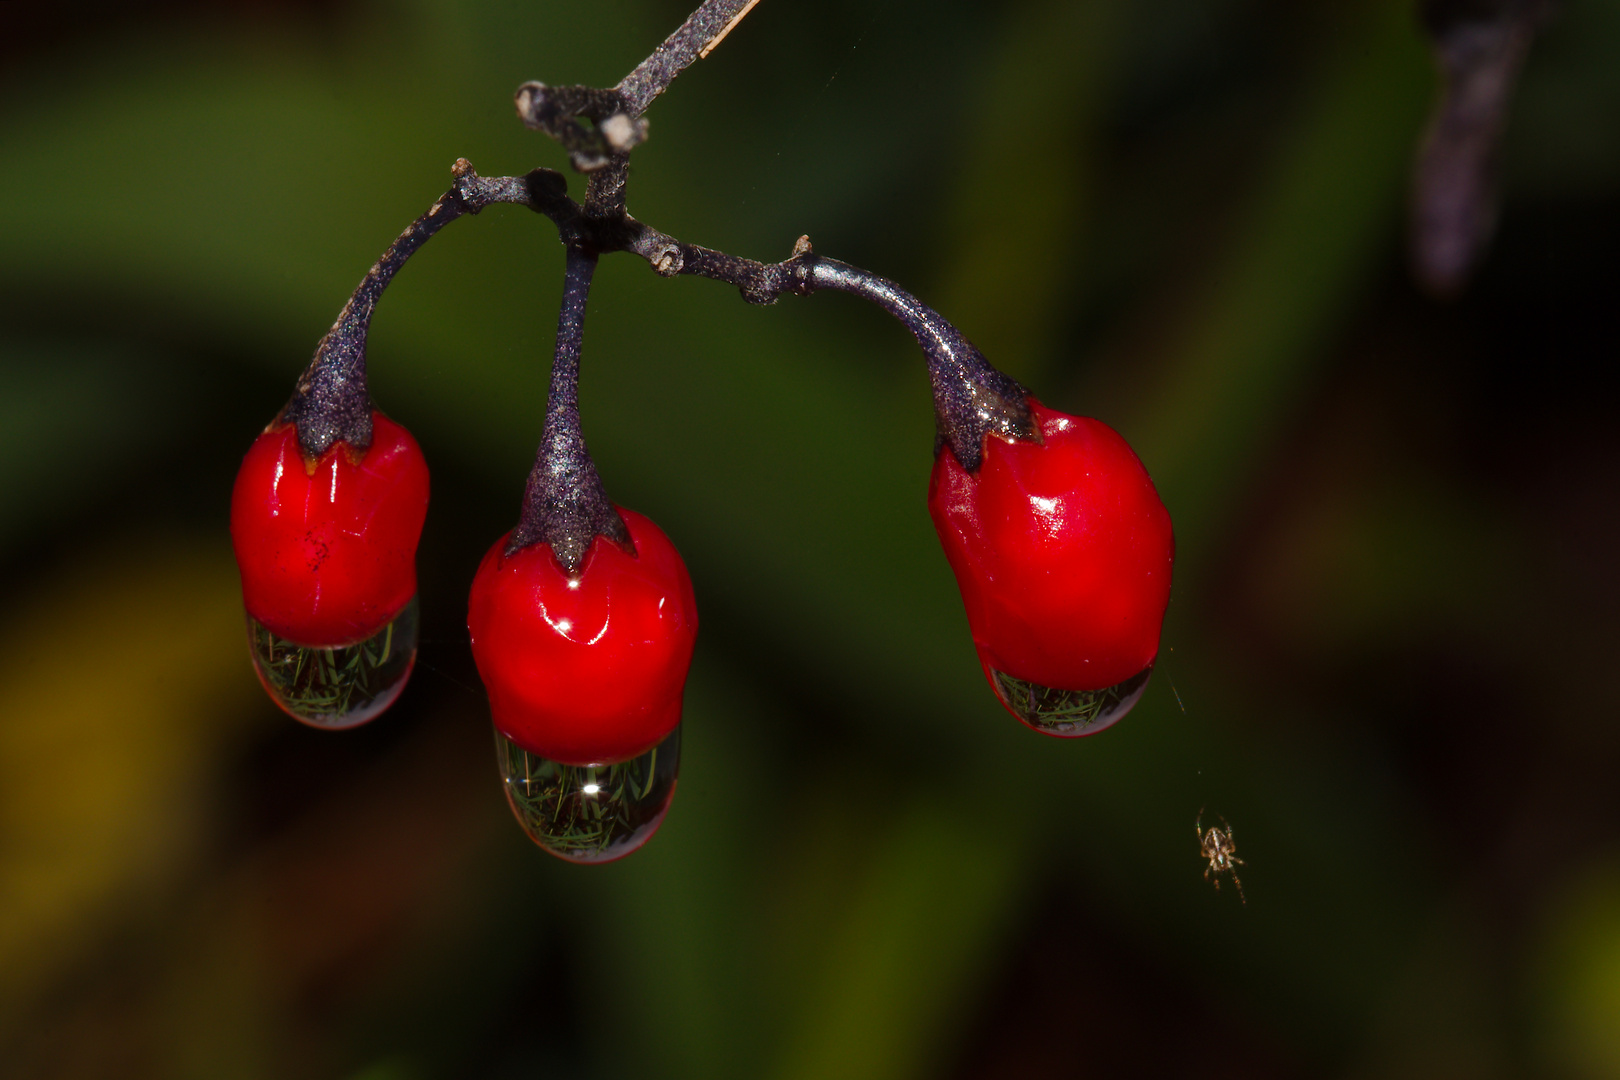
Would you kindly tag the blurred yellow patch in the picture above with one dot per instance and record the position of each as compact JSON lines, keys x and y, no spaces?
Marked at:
{"x":1581,"y":987}
{"x":117,"y":681}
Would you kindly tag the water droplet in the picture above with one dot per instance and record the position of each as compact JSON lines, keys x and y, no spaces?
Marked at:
{"x":589,"y":813}
{"x":1068,"y":713}
{"x":336,"y":687}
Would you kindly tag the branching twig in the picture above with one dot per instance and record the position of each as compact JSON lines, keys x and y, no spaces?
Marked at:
{"x":971,"y":398}
{"x":602,"y":149}
{"x":564,"y":504}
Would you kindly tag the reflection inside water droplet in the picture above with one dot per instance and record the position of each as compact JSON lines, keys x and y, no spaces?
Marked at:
{"x":1068,"y":713}
{"x":589,"y":813}
{"x":339,"y":687}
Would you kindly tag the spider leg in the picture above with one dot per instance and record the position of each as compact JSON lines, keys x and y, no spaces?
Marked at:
{"x":1239,"y":883}
{"x":1198,"y":826}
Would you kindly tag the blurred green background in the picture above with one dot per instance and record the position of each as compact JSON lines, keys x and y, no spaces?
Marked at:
{"x":1384,"y":663}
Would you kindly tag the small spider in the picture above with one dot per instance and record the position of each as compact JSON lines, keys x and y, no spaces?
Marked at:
{"x":1218,"y":846}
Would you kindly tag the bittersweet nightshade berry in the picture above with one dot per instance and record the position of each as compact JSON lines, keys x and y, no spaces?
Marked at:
{"x":326,"y":546}
{"x":1063,"y":552}
{"x":582,"y":621}
{"x":585,"y":667}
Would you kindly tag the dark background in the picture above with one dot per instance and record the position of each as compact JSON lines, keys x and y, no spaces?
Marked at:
{"x":1388,"y":662}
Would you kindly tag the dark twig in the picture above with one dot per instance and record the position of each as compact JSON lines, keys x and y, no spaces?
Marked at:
{"x":971,"y":398}
{"x":616,"y":125}
{"x":602,"y":150}
{"x":1480,"y":46}
{"x":702,"y":30}
{"x":557,"y":111}
{"x":604,"y":192}
{"x":330,"y":403}
{"x":564,"y":503}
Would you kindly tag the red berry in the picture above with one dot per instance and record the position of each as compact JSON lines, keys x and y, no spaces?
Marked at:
{"x":1063,"y":552}
{"x":585,"y":668}
{"x":327,"y":548}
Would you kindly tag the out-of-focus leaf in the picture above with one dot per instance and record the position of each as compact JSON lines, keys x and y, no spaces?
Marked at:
{"x":1014,"y":230}
{"x":1577,"y":1013}
{"x":900,"y":965}
{"x":71,"y":415}
{"x":119,"y":685}
{"x":1564,"y":137}
{"x":1300,"y":253}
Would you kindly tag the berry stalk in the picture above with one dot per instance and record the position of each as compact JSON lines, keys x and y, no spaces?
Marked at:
{"x":972,"y":398}
{"x":331,"y":403}
{"x":564,"y":503}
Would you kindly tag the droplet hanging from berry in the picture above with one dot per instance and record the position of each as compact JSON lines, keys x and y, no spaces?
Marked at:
{"x":336,"y":687}
{"x":589,"y":813}
{"x":1067,"y":713}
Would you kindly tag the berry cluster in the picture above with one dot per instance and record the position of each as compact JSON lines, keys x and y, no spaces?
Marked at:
{"x":582,"y":619}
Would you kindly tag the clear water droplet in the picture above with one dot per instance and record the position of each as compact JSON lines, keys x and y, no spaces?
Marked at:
{"x":336,"y":687}
{"x":1068,"y":713}
{"x":589,"y":813}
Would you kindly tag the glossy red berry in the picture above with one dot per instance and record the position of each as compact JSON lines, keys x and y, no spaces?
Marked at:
{"x":585,"y":667}
{"x":327,"y":548}
{"x":327,"y":551}
{"x":1063,"y":551}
